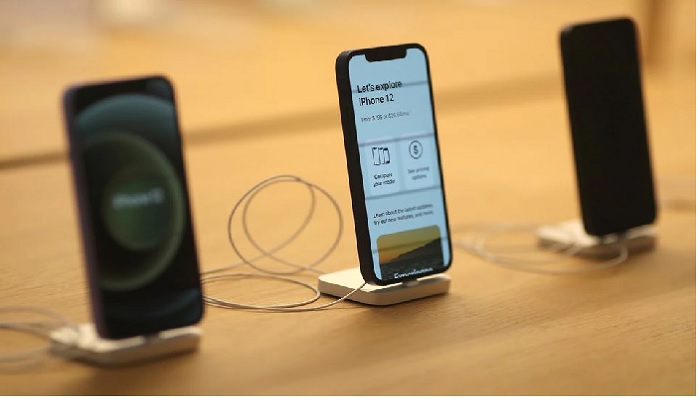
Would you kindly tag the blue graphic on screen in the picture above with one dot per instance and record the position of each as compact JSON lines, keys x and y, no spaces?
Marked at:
{"x":400,"y":171}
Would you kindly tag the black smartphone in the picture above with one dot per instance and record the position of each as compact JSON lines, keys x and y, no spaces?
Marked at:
{"x":608,"y":127}
{"x":393,"y":160}
{"x":129,"y":178}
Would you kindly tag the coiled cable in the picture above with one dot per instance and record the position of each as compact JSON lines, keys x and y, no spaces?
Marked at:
{"x":517,"y":257}
{"x":243,"y":204}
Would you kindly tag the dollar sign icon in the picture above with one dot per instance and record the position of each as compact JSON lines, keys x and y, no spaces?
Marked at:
{"x":415,"y":149}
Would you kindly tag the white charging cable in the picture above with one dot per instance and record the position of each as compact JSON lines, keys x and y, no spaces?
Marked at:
{"x":217,"y":274}
{"x":34,"y":321}
{"x":516,"y":258}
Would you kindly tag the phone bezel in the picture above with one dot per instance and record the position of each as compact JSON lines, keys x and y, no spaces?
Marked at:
{"x":352,"y":156}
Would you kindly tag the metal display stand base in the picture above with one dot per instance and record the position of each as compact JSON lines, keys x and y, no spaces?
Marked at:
{"x":572,"y":233}
{"x":341,"y":283}
{"x":86,"y":346}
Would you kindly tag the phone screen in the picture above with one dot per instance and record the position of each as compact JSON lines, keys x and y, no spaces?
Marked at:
{"x":135,"y":213}
{"x":400,"y":164}
{"x":608,"y":127}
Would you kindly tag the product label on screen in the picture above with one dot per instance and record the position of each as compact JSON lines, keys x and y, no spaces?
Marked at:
{"x":398,"y":157}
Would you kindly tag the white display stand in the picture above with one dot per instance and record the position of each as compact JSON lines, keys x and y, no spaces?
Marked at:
{"x":572,"y":234}
{"x":83,"y":344}
{"x":341,"y":283}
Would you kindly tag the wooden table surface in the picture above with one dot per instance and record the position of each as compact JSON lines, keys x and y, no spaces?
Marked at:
{"x":506,"y":158}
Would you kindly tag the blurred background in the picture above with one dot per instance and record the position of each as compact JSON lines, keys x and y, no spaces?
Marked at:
{"x":247,"y":68}
{"x":256,"y":92}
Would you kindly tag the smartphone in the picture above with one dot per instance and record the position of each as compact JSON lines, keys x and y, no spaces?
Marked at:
{"x":129,"y":178}
{"x":393,"y":161}
{"x":608,"y":127}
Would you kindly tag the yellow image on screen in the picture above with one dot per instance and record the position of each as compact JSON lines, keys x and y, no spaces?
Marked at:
{"x":410,"y":250}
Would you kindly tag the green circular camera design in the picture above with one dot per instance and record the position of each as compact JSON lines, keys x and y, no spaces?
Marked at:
{"x":141,"y":199}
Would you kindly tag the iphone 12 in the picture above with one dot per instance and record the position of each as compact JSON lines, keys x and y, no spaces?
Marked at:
{"x":133,"y":205}
{"x":393,"y":162}
{"x":608,"y":128}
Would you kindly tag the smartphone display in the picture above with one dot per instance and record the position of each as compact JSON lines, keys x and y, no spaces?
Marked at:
{"x":129,"y":175}
{"x":393,"y":163}
{"x":608,"y":127}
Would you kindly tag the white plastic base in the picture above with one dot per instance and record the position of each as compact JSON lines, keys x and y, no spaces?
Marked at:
{"x":86,"y":346}
{"x":341,"y":283}
{"x":572,"y":233}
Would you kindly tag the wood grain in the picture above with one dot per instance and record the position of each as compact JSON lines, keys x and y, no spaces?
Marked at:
{"x":506,"y":156}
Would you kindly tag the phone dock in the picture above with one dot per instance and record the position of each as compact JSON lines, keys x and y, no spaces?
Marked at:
{"x":572,"y":234}
{"x":341,"y":283}
{"x":83,"y":344}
